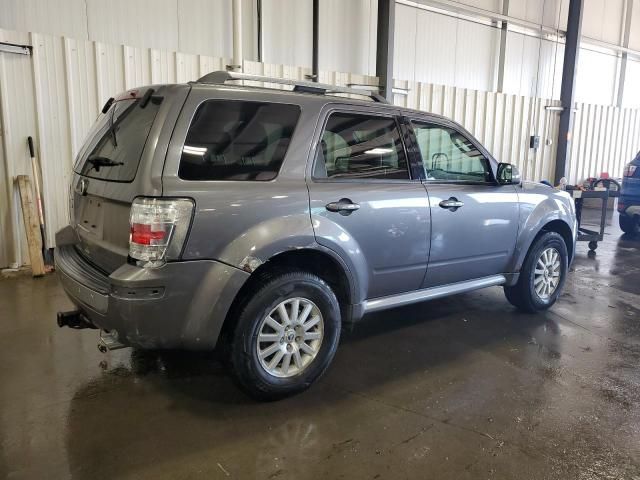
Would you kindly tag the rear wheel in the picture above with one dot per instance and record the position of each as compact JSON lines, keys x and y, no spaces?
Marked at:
{"x":286,"y":336}
{"x":542,"y":275}
{"x":628,"y":224}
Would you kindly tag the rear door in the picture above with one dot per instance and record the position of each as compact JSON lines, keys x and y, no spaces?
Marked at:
{"x":474,"y":219}
{"x":112,"y":168}
{"x":366,"y":204}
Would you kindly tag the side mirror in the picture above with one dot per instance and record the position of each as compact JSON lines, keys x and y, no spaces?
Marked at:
{"x":508,"y":174}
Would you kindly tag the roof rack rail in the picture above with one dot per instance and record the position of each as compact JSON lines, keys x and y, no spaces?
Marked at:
{"x":220,"y":77}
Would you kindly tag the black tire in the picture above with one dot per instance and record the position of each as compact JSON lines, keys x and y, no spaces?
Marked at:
{"x":252,"y":377}
{"x":523,"y":294}
{"x":593,"y":245}
{"x":628,"y":224}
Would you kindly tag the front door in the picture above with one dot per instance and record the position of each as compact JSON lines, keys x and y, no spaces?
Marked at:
{"x":474,"y":219}
{"x":365,"y":204}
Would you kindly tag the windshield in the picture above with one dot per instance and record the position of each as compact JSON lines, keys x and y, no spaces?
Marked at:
{"x":114,"y":146}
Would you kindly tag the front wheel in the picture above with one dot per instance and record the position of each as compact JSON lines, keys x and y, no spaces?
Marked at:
{"x":628,"y":224}
{"x":542,"y":275}
{"x":286,"y":335}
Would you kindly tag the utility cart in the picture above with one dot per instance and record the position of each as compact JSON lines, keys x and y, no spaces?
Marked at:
{"x":609,"y":189}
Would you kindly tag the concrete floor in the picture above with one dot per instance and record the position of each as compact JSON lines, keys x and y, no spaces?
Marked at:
{"x":463,"y":387}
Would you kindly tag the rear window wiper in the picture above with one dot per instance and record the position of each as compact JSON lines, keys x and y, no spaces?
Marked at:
{"x":98,"y":162}
{"x":112,"y":129}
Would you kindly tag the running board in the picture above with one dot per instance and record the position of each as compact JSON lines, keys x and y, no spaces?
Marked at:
{"x":431,"y":293}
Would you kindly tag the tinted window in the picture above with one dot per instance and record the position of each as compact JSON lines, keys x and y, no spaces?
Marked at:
{"x":114,"y":146}
{"x":361,"y":146}
{"x":235,"y":140}
{"x":447,"y":155}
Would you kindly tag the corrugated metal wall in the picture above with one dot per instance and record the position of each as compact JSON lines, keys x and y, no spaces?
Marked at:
{"x":17,"y":122}
{"x":503,"y":123}
{"x":55,"y":96}
{"x":431,"y":47}
{"x":436,"y":48}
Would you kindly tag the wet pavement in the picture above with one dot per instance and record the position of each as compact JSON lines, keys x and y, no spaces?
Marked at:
{"x":464,"y":387}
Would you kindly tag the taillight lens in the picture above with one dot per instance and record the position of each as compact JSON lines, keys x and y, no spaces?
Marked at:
{"x":630,"y":170}
{"x":158,"y":229}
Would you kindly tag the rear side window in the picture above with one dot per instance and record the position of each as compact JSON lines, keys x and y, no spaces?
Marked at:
{"x":115,"y":144}
{"x":237,"y":140}
{"x":355,"y":146}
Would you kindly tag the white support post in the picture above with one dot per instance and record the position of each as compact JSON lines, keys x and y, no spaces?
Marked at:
{"x":237,"y":36}
{"x":625,"y":43}
{"x":503,"y":48}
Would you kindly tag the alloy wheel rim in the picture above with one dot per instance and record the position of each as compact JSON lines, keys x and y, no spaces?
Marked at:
{"x":546,"y":276}
{"x":289,"y":337}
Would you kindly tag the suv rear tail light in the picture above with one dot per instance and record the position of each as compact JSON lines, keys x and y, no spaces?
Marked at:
{"x":630,"y":170}
{"x":158,"y":229}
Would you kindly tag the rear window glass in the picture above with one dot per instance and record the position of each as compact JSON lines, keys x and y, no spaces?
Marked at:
{"x":237,"y":140}
{"x":115,"y":144}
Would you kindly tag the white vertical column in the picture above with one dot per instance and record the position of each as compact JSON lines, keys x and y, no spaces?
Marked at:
{"x":625,"y":43}
{"x":237,"y":35}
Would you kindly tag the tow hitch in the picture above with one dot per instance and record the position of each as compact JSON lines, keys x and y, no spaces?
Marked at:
{"x":73,"y":319}
{"x":109,"y":341}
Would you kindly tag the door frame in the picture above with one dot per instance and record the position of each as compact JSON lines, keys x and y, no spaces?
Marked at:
{"x":414,"y":149}
{"x":415,"y":152}
{"x":415,"y":180}
{"x":416,"y":171}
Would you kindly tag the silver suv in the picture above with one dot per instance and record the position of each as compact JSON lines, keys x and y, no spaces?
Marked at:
{"x":259,"y":220}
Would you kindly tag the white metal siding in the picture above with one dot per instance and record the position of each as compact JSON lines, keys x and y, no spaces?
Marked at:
{"x":204,"y":26}
{"x":53,"y":97}
{"x":347,"y":32}
{"x":596,"y":80}
{"x":603,"y":20}
{"x":138,"y":23}
{"x":436,"y":48}
{"x":287,"y":31}
{"x":72,"y":79}
{"x":634,"y":38}
{"x":541,"y":11}
{"x":55,"y":17}
{"x":503,"y":123}
{"x":17,"y":119}
{"x":632,"y":83}
{"x":195,"y":26}
{"x":348,"y":35}
{"x":605,"y":138}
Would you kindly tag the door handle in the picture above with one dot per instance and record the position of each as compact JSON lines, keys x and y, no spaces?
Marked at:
{"x":344,"y":206}
{"x":452,"y":204}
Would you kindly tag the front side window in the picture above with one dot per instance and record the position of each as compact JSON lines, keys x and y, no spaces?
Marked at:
{"x":355,"y":146}
{"x":447,"y":155}
{"x":237,"y":140}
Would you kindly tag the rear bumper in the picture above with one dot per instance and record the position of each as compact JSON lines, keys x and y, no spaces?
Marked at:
{"x":631,"y":210}
{"x":179,"y":305}
{"x":631,"y":202}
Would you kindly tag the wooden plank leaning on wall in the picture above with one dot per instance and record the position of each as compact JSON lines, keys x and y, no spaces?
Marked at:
{"x":31,"y":225}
